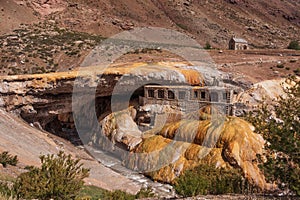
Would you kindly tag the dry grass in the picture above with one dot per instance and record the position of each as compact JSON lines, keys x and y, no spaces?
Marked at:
{"x":5,"y":198}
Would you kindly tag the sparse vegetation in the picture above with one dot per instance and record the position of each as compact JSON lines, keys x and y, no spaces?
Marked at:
{"x":280,"y":126}
{"x":39,"y":44}
{"x":95,"y":193}
{"x":7,"y":159}
{"x":294,"y":45}
{"x":206,"y":179}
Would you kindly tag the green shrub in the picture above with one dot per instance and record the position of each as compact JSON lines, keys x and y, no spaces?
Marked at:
{"x":7,"y":159}
{"x":182,"y":26}
{"x":60,"y":177}
{"x":144,"y":193}
{"x":5,"y":190}
{"x":206,"y":179}
{"x":281,"y":66}
{"x":207,"y":45}
{"x":118,"y":195}
{"x":191,"y":185}
{"x":294,"y":45}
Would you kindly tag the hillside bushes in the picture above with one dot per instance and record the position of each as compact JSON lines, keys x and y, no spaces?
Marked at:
{"x":60,"y":177}
{"x":206,"y":179}
{"x":7,"y":159}
{"x":95,"y":193}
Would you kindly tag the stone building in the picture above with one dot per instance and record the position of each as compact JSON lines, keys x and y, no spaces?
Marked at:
{"x":238,"y":44}
{"x":189,"y":98}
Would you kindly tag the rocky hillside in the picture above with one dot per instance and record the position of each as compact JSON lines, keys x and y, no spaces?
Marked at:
{"x":264,"y":23}
{"x":55,"y":35}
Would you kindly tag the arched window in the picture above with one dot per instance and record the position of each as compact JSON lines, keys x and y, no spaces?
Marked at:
{"x":171,"y":94}
{"x":203,"y":95}
{"x":195,"y":94}
{"x":150,"y":93}
{"x":161,"y":94}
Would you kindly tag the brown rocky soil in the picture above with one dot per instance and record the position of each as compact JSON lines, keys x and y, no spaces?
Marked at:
{"x":258,"y":65}
{"x":264,"y":23}
{"x":12,"y":15}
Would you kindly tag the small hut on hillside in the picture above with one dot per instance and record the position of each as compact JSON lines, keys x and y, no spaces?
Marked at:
{"x":238,"y":44}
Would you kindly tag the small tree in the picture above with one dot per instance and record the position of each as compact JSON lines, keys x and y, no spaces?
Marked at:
{"x":281,"y":128}
{"x":60,"y":177}
{"x":294,"y":45}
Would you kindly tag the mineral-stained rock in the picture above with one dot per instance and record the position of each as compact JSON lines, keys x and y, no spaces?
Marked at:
{"x":164,"y":160}
{"x":121,"y":128}
{"x":201,"y":138}
{"x":234,"y":136}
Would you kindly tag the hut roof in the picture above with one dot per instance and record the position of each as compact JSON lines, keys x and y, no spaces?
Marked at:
{"x":239,"y":40}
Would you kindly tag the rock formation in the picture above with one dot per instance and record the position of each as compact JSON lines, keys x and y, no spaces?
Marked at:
{"x":166,"y":152}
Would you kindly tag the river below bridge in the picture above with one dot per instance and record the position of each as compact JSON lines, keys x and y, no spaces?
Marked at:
{"x":108,"y":160}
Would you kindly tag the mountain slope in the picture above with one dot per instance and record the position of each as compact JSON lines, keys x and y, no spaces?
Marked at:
{"x":13,"y":14}
{"x":271,"y":23}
